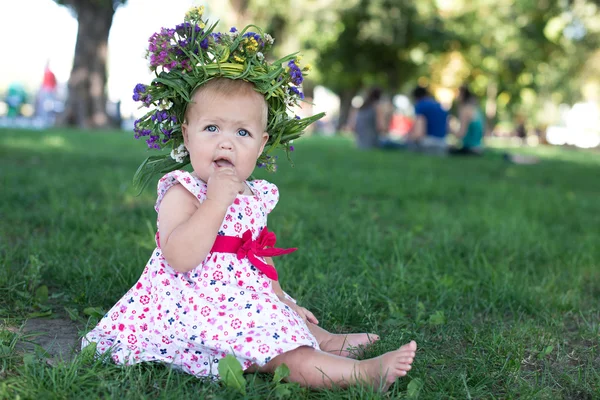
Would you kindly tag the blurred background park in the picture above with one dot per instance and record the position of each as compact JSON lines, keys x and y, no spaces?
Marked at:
{"x":534,"y":66}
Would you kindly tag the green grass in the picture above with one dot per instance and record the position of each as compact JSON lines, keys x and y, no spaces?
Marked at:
{"x":492,"y":268}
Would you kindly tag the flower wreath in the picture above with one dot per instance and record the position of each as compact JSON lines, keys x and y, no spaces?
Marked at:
{"x":191,"y":54}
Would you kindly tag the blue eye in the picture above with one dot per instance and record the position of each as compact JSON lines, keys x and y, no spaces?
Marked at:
{"x":243,"y":133}
{"x":211,"y":128}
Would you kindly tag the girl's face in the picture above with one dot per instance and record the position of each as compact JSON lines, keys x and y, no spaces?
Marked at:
{"x":225,"y":131}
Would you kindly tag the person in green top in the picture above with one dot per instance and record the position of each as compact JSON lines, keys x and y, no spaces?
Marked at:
{"x":470,"y":133}
{"x":16,"y":96}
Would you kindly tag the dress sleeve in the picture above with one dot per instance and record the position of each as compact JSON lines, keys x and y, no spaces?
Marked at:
{"x":267,"y":192}
{"x":194,"y":186}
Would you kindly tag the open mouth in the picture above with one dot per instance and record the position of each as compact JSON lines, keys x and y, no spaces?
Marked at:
{"x":223,"y":162}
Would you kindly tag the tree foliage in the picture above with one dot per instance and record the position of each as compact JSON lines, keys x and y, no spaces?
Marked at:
{"x":517,"y":53}
{"x":526,"y":50}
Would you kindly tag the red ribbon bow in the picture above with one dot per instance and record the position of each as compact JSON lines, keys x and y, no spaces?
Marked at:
{"x":263,"y":246}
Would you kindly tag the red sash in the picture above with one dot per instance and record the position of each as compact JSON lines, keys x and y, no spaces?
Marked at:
{"x":263,"y":246}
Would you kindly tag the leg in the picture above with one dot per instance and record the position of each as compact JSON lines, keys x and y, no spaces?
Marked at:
{"x":350,"y":345}
{"x":464,"y":151}
{"x":317,"y":369}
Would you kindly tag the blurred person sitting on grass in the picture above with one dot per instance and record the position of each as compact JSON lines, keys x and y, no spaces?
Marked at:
{"x":210,"y":288}
{"x":471,"y":128}
{"x":428,"y":134}
{"x":369,"y":121}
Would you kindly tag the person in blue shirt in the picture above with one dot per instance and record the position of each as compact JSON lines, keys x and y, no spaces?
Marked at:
{"x":428,"y":134}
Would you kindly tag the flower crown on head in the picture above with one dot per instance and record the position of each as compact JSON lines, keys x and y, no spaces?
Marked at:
{"x":190,"y":55}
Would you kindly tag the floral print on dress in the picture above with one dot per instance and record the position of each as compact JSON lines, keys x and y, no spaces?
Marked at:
{"x":223,"y":306}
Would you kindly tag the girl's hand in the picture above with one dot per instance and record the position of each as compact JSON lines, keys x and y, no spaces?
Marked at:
{"x":223,"y":186}
{"x":305,"y":314}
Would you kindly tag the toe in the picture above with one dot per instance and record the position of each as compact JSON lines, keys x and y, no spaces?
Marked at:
{"x":404,"y":367}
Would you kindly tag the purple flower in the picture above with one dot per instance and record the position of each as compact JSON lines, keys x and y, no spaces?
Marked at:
{"x":139,"y":132}
{"x":291,"y":148}
{"x":138,"y":92}
{"x":233,"y":29}
{"x":204,"y":44}
{"x":160,"y":116}
{"x":294,"y":91}
{"x":148,"y":100}
{"x":152,"y":142}
{"x":140,"y":88}
{"x":295,"y":73}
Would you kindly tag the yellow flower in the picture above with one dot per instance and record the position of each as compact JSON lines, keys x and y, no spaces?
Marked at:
{"x":239,"y":59}
{"x":251,"y":44}
{"x":194,"y":13}
{"x":307,"y":67}
{"x":201,"y":25}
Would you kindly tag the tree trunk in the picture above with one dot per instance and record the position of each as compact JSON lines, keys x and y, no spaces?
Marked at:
{"x":346,"y":97}
{"x":86,"y":102}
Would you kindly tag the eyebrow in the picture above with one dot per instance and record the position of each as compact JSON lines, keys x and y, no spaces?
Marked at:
{"x":220,"y":120}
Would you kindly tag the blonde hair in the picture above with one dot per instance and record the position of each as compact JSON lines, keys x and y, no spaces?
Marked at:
{"x":230,"y":87}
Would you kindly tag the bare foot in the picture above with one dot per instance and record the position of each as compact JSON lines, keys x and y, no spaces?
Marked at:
{"x":350,"y":345}
{"x":385,"y":369}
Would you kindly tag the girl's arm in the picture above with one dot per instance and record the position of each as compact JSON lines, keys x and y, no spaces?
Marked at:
{"x":187,"y":228}
{"x":303,"y":312}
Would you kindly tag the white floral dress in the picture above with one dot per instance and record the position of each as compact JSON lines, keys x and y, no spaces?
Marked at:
{"x":223,"y":306}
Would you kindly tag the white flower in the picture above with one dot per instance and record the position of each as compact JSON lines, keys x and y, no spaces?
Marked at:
{"x":260,"y":56}
{"x":165,"y":104}
{"x":179,"y":153}
{"x":269,"y":39}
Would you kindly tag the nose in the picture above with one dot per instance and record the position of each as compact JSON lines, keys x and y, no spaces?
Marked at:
{"x":225,"y":143}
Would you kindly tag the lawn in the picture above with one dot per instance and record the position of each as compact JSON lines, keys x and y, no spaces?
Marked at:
{"x":493,"y":268}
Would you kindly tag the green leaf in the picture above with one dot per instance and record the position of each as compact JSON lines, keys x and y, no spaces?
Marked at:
{"x":94,"y":312}
{"x":282,"y":390}
{"x":29,"y":360}
{"x":40,"y":314}
{"x":437,"y":318}
{"x":5,"y":350}
{"x":414,"y":388}
{"x":73,"y":313}
{"x":232,"y":376}
{"x":281,"y":372}
{"x":545,"y":352}
{"x":41,"y":294}
{"x":88,"y":353}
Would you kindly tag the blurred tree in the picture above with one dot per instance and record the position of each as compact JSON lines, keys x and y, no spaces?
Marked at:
{"x":86,"y":102}
{"x":520,"y":54}
{"x":377,"y":42}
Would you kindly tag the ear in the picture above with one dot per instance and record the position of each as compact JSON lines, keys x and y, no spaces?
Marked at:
{"x":265,"y":137}
{"x":184,"y":132}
